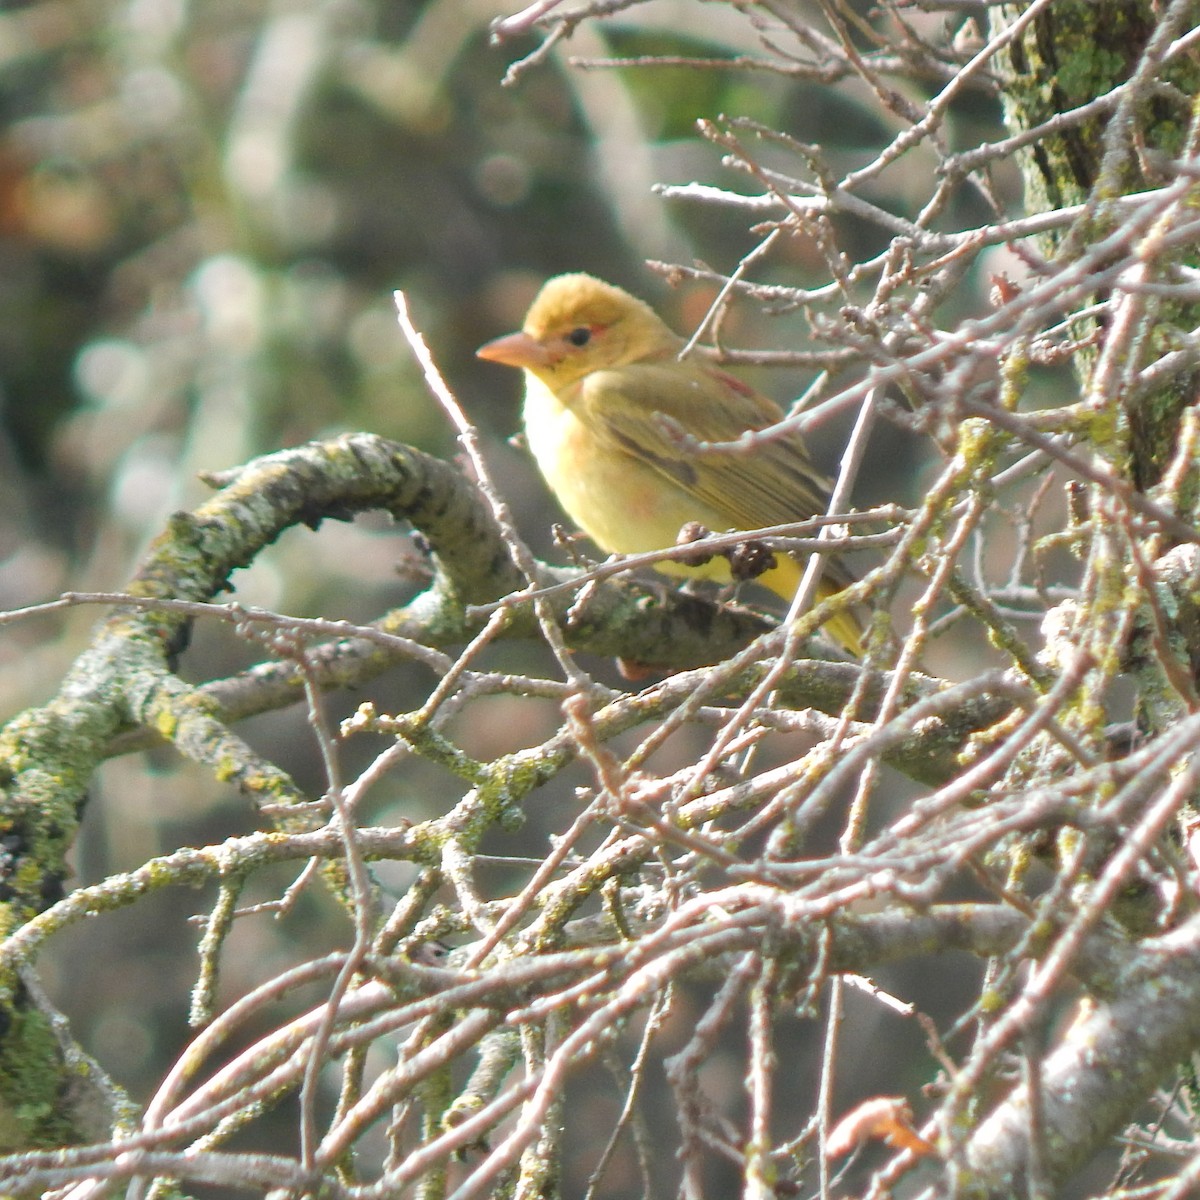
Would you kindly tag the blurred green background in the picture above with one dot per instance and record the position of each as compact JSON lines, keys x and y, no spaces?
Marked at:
{"x":204,"y":208}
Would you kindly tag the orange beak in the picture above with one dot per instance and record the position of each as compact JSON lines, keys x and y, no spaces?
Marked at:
{"x":515,"y":350}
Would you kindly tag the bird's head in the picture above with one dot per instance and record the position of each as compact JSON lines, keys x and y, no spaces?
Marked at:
{"x":578,"y":324}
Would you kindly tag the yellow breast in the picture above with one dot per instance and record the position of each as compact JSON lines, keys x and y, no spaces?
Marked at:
{"x":622,"y":504}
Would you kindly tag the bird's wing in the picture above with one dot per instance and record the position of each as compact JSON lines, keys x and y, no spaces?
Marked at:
{"x":770,"y":485}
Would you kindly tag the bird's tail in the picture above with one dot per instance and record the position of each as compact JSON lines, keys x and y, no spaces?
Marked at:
{"x":844,"y":627}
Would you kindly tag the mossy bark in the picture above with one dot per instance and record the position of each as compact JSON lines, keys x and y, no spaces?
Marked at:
{"x":1073,"y":53}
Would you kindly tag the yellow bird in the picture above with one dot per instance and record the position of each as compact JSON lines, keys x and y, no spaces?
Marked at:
{"x":601,"y":373}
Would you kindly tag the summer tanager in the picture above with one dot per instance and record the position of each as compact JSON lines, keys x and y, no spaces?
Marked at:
{"x":601,"y":373}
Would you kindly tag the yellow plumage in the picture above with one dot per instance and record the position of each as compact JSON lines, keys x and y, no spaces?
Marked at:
{"x":601,"y":374}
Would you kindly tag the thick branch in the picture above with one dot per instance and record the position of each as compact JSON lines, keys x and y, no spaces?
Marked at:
{"x":1103,"y":1069}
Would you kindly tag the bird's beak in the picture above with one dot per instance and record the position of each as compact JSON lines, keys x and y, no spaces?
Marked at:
{"x":515,"y":350}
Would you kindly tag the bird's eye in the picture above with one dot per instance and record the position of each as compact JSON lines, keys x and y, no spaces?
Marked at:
{"x":580,"y":336}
